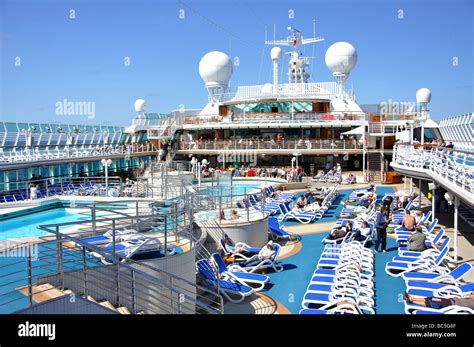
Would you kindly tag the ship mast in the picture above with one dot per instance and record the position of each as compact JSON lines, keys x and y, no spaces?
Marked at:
{"x":297,"y":65}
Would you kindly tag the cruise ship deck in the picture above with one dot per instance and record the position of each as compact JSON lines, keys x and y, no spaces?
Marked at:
{"x":212,"y":166}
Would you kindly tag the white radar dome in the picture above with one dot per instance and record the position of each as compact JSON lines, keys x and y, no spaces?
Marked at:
{"x":140,"y":105}
{"x":276,"y":53}
{"x":423,"y":95}
{"x":215,"y":69}
{"x":341,"y":58}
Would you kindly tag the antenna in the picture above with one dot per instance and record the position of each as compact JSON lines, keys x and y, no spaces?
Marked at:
{"x":297,"y":65}
{"x":294,"y":41}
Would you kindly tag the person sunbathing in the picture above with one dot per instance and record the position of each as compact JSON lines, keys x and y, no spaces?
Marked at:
{"x":437,"y":303}
{"x":417,"y":241}
{"x":409,"y":222}
{"x":418,"y":217}
{"x":315,"y":206}
{"x":233,"y":252}
{"x":301,"y":203}
{"x":234,"y":214}
{"x":267,"y":252}
{"x":362,"y":233}
{"x":341,"y":231}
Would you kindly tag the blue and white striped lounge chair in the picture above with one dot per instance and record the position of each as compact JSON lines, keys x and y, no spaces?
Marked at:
{"x":256,"y":281}
{"x":239,"y":256}
{"x":257,"y":265}
{"x":428,"y":243}
{"x":316,"y":300}
{"x":342,"y":308}
{"x":229,"y":288}
{"x":304,"y":217}
{"x":438,"y":290}
{"x":422,"y":221}
{"x":433,"y":252}
{"x":452,"y":309}
{"x":278,"y":231}
{"x":451,"y":277}
{"x":403,"y":236}
{"x":342,"y":270}
{"x":397,"y":268}
{"x":120,"y":235}
{"x":129,"y":248}
{"x":271,"y":210}
{"x":281,"y":195}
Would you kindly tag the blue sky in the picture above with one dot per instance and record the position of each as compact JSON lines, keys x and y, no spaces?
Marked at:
{"x":82,"y":59}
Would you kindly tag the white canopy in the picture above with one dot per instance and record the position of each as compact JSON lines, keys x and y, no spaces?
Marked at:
{"x":429,"y":123}
{"x":356,"y":131}
{"x":135,"y":128}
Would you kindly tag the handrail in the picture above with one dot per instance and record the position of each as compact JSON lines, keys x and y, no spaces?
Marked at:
{"x":445,"y":163}
{"x":249,"y":144}
{"x":70,"y":152}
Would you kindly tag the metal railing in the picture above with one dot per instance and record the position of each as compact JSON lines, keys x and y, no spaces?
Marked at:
{"x":70,"y":186}
{"x":10,"y":156}
{"x":452,"y":165}
{"x":276,"y":118}
{"x":248,"y":144}
{"x":65,"y":261}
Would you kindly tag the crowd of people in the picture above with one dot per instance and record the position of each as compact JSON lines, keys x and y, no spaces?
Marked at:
{"x":294,"y":174}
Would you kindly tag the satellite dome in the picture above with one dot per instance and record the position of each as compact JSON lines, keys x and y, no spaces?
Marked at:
{"x":341,"y":58}
{"x":423,"y":95}
{"x":267,"y":88}
{"x":215,"y":69}
{"x":276,"y":53}
{"x":140,"y":105}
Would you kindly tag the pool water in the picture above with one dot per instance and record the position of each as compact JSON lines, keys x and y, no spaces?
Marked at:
{"x":26,"y":226}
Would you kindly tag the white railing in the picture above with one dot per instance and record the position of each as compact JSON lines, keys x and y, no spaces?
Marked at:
{"x":249,"y":144}
{"x":450,"y":165}
{"x":30,"y":155}
{"x":319,"y":90}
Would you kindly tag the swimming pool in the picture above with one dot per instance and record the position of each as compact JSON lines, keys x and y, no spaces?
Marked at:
{"x":26,"y":225}
{"x":226,"y":187}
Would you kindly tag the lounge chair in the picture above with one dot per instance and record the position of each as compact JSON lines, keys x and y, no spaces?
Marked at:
{"x":438,"y":290}
{"x":428,"y":243}
{"x":258,"y":265}
{"x":398,"y":268}
{"x":403,"y":236}
{"x":239,"y":256}
{"x":228,"y":288}
{"x":304,"y":217}
{"x":431,"y":252}
{"x":451,"y":277}
{"x":107,"y":237}
{"x":278,"y":231}
{"x":129,"y":248}
{"x":316,"y":300}
{"x":452,"y":309}
{"x":281,"y":195}
{"x":256,"y":281}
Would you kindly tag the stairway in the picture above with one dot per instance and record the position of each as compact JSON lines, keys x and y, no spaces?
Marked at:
{"x":46,"y":291}
{"x":374,"y":166}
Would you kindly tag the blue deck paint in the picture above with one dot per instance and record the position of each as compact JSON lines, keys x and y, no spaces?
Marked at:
{"x":288,"y":287}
